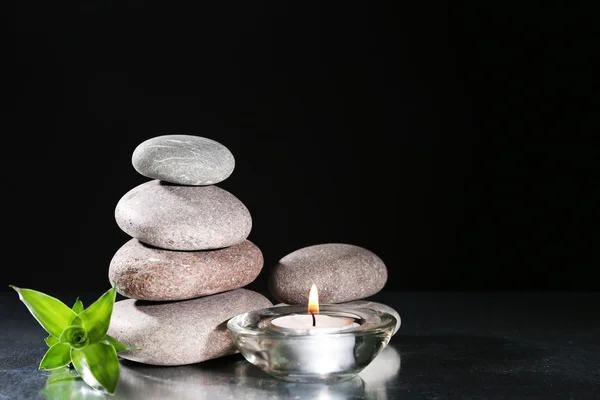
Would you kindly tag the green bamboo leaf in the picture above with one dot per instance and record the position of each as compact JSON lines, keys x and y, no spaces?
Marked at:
{"x":78,"y":306}
{"x":119,"y":346}
{"x":50,"y":340}
{"x":57,"y":356}
{"x":51,"y":313}
{"x":98,"y":365}
{"x":96,"y":318}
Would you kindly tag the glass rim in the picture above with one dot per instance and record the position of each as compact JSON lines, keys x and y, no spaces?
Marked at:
{"x":370,"y":321}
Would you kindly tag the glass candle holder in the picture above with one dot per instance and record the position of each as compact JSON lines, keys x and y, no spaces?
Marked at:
{"x":291,"y":344}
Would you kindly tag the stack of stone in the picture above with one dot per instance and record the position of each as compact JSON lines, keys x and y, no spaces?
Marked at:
{"x":185,"y":267}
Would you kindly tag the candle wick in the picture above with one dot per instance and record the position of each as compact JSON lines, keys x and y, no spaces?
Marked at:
{"x":314,"y":319}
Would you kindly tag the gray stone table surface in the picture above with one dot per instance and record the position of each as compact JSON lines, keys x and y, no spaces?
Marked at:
{"x":459,"y":345}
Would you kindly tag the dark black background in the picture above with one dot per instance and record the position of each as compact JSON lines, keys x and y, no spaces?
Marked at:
{"x":455,"y":141}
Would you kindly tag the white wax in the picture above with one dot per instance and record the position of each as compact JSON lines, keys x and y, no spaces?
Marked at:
{"x":305,"y":322}
{"x":325,"y":355}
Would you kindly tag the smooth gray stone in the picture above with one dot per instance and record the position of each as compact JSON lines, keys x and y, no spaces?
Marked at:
{"x":142,"y":272}
{"x":342,"y":272}
{"x":183,"y":160}
{"x":183,"y":217}
{"x":181,"y":332}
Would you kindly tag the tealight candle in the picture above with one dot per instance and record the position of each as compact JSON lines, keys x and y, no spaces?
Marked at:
{"x":313,"y":321}
{"x":330,"y":353}
{"x":331,"y":344}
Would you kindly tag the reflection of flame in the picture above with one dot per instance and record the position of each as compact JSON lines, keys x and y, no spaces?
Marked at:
{"x":313,"y":300}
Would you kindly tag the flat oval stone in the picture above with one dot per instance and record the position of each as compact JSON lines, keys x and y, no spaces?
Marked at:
{"x":183,"y":160}
{"x":181,"y":332}
{"x":342,"y":272}
{"x":143,"y":272}
{"x":177,"y":217}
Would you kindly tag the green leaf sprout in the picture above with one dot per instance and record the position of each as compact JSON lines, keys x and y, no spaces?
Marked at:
{"x":78,"y":337}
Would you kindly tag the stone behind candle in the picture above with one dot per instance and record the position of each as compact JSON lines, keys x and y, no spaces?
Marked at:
{"x":142,"y":272}
{"x":177,"y":217}
{"x":342,"y":272}
{"x":181,"y":332}
{"x":183,"y":159}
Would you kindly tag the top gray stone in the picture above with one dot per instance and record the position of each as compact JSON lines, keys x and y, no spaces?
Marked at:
{"x":342,"y":272}
{"x":183,"y":160}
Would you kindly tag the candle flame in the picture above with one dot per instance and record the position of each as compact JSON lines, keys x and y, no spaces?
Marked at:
{"x":313,"y":300}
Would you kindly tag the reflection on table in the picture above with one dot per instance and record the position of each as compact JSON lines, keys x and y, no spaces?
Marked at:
{"x":229,"y":377}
